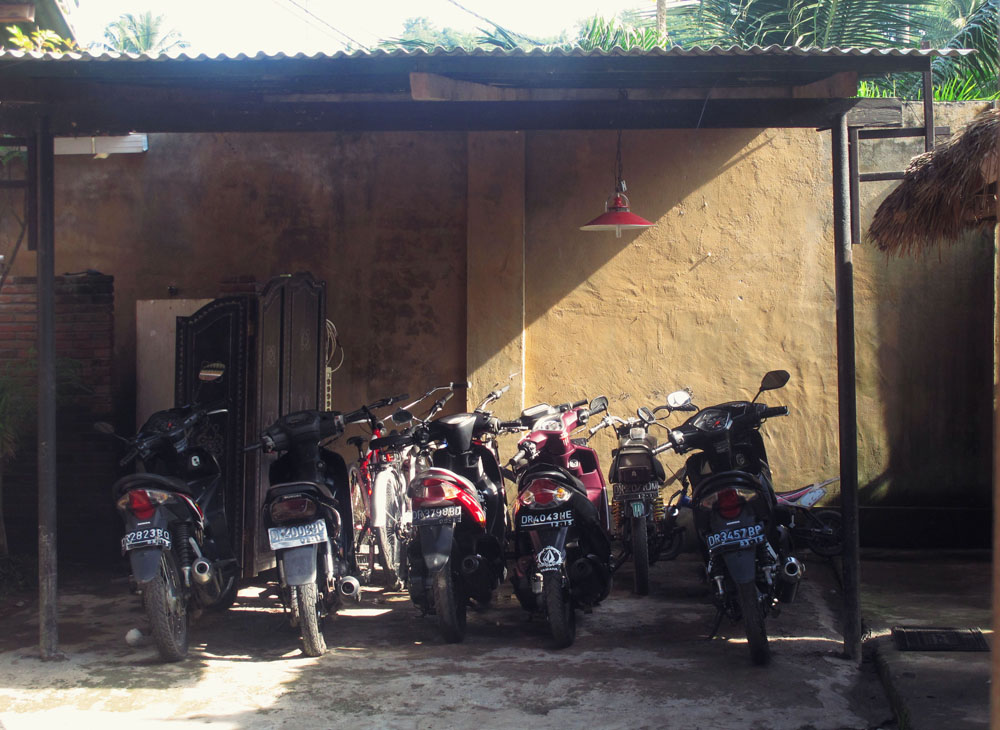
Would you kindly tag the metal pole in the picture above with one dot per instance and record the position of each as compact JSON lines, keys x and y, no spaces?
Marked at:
{"x":846,"y":382}
{"x":44,"y":192}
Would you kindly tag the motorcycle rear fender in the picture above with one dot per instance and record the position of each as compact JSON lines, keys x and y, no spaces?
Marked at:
{"x":435,"y":543}
{"x":145,"y":563}
{"x":741,"y":564}
{"x":298,"y":564}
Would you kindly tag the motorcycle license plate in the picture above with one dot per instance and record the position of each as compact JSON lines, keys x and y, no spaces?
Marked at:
{"x":527,"y":520}
{"x":632,"y":491}
{"x":737,"y":537}
{"x":296,"y":535}
{"x":151,"y":537}
{"x":437,"y":515}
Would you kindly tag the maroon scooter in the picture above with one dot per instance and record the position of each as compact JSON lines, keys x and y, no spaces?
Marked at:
{"x":562,"y":543}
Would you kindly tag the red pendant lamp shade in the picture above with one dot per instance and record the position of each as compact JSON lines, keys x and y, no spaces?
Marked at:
{"x":616,"y":215}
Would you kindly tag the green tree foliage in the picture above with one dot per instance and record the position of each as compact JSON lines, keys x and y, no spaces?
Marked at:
{"x":41,"y":40}
{"x":141,"y":33}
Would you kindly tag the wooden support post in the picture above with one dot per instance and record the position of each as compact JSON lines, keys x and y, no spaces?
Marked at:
{"x":854,"y":164}
{"x":44,"y":194}
{"x":847,"y":387}
{"x":928,"y":111}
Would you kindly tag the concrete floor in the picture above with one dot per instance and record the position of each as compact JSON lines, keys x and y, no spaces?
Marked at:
{"x":637,"y":663}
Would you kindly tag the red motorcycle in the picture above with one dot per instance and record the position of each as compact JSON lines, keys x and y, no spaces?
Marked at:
{"x":562,"y":541}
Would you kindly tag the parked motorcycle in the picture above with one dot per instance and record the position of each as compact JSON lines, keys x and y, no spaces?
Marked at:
{"x":818,"y":529}
{"x":176,"y":536}
{"x":562,"y":543}
{"x":637,"y":477}
{"x":744,"y":534}
{"x":306,"y":509}
{"x":456,"y":550}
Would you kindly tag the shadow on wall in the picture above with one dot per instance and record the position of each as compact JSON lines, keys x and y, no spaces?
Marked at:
{"x":935,"y":377}
{"x":569,"y":177}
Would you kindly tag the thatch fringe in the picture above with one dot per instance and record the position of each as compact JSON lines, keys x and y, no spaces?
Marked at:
{"x":946,"y":192}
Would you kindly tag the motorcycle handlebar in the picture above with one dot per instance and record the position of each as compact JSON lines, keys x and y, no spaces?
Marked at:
{"x":775,"y":411}
{"x":577,"y":404}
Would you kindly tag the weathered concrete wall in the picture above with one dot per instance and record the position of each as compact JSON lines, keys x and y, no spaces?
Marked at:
{"x":436,"y":247}
{"x":380,"y":217}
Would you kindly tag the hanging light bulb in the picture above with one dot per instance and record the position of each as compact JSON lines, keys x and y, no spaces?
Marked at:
{"x":617,"y":215}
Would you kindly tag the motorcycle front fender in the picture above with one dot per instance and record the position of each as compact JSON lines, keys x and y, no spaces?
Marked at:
{"x":145,"y":563}
{"x":435,"y":543}
{"x":550,"y":548}
{"x":298,"y":565}
{"x":741,"y":564}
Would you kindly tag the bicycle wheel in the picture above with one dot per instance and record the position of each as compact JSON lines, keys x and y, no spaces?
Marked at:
{"x":364,"y":543}
{"x":389,"y":534}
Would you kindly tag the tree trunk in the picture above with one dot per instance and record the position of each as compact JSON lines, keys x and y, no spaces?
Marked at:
{"x":661,"y":18}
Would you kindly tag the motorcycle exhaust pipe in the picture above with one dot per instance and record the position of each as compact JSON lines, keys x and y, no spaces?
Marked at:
{"x":788,"y":580}
{"x":470,"y":564}
{"x":349,"y":587}
{"x":201,"y":571}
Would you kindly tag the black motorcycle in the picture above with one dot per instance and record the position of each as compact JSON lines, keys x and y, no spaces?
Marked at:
{"x":307,"y":513}
{"x":648,"y":528}
{"x":176,"y":536}
{"x":745,"y":541}
{"x":456,"y":548}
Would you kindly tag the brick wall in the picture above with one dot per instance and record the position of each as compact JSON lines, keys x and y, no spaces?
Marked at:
{"x":87,"y":461}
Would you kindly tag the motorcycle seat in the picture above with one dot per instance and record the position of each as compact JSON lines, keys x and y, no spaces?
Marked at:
{"x":143,"y":479}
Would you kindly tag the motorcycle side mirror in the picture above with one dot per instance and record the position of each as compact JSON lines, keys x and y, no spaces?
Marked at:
{"x":600,"y":403}
{"x":402,"y":416}
{"x":646,"y":415}
{"x":679,"y":400}
{"x":104,"y":427}
{"x":774,"y":380}
{"x":212,"y":371}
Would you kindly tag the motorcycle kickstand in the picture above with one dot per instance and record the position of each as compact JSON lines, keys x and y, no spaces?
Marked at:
{"x":715,"y":626}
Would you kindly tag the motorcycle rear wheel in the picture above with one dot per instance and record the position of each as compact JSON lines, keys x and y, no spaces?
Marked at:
{"x":640,"y":554}
{"x":307,"y":600}
{"x":450,"y":606}
{"x":828,"y":546}
{"x":166,"y":606}
{"x":753,"y":623}
{"x":559,"y":606}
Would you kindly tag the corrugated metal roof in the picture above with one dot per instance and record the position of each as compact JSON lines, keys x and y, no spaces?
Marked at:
{"x":673,"y":52}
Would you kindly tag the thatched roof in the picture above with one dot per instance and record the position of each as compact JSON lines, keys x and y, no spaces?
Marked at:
{"x":946,"y":192}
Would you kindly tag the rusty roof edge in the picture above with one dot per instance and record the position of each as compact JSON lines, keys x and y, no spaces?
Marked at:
{"x":617,"y":52}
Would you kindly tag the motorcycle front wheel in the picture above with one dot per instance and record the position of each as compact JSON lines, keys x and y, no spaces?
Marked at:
{"x":449,"y":605}
{"x":753,"y":623}
{"x":640,"y":554}
{"x":559,"y":606}
{"x":307,"y":602}
{"x":166,"y":606}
